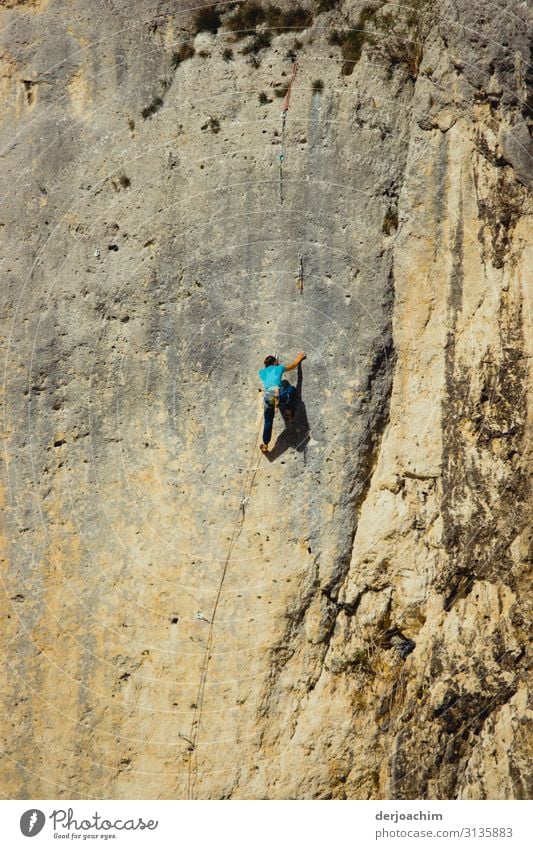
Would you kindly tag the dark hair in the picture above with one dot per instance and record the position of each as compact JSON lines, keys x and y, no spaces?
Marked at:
{"x":270,"y":360}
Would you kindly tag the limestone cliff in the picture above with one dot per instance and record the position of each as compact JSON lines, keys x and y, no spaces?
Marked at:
{"x":347,"y":617}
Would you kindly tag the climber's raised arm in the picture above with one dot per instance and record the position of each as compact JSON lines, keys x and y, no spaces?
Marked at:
{"x":298,"y":359}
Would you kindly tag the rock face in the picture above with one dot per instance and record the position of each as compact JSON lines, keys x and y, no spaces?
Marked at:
{"x":347,"y":617}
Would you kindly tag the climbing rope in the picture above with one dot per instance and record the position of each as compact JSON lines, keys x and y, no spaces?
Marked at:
{"x":287,"y":100}
{"x":286,"y":104}
{"x":194,"y":733}
{"x":249,"y":479}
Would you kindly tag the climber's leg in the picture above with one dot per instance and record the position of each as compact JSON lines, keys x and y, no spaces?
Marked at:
{"x":287,"y":400}
{"x":269,"y":410}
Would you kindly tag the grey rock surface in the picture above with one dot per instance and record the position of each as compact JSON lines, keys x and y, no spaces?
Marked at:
{"x":150,"y":262}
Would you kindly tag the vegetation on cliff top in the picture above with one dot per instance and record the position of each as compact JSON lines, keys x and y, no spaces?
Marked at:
{"x":398,"y":35}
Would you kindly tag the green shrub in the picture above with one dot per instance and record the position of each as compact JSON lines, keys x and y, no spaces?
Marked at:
{"x":360,"y":659}
{"x":227,"y":54}
{"x":259,"y":42}
{"x":336,"y":37}
{"x":121,"y":181}
{"x":359,"y":662}
{"x":327,"y":5}
{"x":263,"y":99}
{"x":281,"y":91}
{"x":390,"y":222}
{"x":403,"y":34}
{"x":318,"y":85}
{"x":207,"y":20}
{"x":153,"y":107}
{"x":296,"y":18}
{"x":213,"y":124}
{"x":352,"y":41}
{"x":249,"y":15}
{"x":185,"y":51}
{"x":245,"y":20}
{"x":352,"y":50}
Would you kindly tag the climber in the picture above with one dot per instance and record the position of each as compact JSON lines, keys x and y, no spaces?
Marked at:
{"x":277,"y":392}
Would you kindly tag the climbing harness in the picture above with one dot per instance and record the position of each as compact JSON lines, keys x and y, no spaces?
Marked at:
{"x":286,"y":104}
{"x":194,"y":733}
{"x":271,"y":396}
{"x":301,"y":273}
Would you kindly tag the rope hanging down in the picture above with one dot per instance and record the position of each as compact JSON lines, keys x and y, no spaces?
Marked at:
{"x":286,"y":104}
{"x":194,"y":732}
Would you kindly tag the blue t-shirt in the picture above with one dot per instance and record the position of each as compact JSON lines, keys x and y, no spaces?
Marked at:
{"x":271,"y":376}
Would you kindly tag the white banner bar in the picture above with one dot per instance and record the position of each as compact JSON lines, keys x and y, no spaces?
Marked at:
{"x":267,"y":825}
